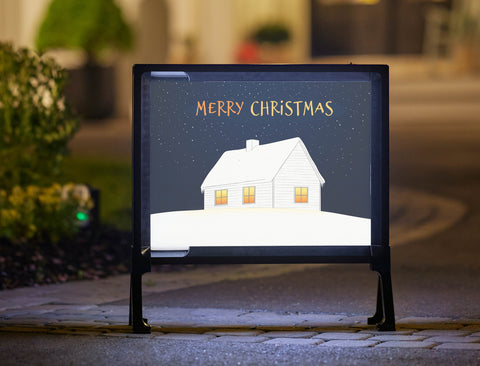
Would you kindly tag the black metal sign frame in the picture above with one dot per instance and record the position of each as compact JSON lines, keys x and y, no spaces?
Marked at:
{"x":377,"y":254}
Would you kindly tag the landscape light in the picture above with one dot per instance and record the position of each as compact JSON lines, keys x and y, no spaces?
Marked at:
{"x":82,"y":216}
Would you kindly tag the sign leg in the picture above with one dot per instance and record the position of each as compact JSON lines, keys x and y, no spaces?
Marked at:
{"x":136,"y":319}
{"x":388,"y":323}
{"x":384,"y":316}
{"x":378,"y":316}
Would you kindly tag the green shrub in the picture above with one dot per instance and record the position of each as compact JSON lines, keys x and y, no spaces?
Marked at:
{"x":41,"y":215}
{"x":35,"y":123}
{"x":35,"y":127}
{"x":94,"y":26}
{"x":274,"y":33}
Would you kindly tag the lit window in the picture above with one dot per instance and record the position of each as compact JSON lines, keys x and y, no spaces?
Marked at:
{"x":221,"y":197}
{"x":249,"y":195}
{"x":301,"y":194}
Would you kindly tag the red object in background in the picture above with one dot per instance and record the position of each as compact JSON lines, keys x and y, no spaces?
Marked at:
{"x":248,"y":53}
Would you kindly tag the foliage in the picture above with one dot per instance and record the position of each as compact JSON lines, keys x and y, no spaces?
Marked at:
{"x":93,"y":26}
{"x":35,"y":123}
{"x":272,"y":33}
{"x":41,"y":215}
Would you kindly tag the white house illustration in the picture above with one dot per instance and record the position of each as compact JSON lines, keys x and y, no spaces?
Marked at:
{"x":276,"y":175}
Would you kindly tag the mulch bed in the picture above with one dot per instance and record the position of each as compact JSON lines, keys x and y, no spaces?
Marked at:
{"x":86,"y":256}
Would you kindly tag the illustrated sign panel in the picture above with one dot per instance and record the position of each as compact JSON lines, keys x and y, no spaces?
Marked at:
{"x":261,"y":164}
{"x":261,"y":161}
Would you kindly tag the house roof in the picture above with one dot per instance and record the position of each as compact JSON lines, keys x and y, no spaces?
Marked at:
{"x":260,"y":164}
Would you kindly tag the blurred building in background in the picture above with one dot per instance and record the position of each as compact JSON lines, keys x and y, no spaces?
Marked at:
{"x":231,"y":31}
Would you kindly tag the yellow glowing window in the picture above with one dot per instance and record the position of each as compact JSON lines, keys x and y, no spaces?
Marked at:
{"x":301,"y":194}
{"x":248,"y":194}
{"x":221,"y":197}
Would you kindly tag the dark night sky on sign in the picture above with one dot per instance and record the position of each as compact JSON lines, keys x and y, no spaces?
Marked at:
{"x":184,"y":147}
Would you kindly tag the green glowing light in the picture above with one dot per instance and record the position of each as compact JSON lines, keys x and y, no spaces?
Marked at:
{"x":82,"y":216}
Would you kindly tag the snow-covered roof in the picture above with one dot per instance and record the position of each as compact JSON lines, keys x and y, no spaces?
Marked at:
{"x":255,"y":163}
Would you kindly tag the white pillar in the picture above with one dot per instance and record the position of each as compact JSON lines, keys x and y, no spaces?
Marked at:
{"x":216,"y":39}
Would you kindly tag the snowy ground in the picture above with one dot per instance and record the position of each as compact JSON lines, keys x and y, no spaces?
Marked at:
{"x":178,"y":230}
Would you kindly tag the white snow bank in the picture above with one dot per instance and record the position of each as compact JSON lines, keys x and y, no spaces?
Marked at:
{"x":179,"y":230}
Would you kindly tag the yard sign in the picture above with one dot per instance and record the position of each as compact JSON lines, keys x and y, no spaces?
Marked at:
{"x":261,"y":164}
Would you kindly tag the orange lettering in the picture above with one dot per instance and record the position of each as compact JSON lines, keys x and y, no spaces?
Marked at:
{"x":201,"y":107}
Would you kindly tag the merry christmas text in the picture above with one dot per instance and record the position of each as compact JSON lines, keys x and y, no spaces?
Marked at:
{"x":260,"y":108}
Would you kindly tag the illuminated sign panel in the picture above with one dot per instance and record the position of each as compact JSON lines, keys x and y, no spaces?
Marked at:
{"x":261,"y":164}
{"x":303,"y":146}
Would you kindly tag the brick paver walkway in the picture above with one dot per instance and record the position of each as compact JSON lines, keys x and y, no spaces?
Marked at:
{"x":220,"y":325}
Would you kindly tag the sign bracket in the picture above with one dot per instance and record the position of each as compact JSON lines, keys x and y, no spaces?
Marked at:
{"x":378,"y":256}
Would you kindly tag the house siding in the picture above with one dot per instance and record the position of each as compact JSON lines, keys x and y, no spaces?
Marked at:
{"x":296,"y":172}
{"x":263,"y":195}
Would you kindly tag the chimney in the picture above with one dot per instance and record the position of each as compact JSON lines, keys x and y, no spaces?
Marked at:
{"x":252,"y":144}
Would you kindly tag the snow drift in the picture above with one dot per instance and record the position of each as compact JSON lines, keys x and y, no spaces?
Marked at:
{"x":179,"y":230}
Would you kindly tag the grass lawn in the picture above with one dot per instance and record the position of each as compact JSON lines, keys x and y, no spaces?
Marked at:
{"x":113,"y":177}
